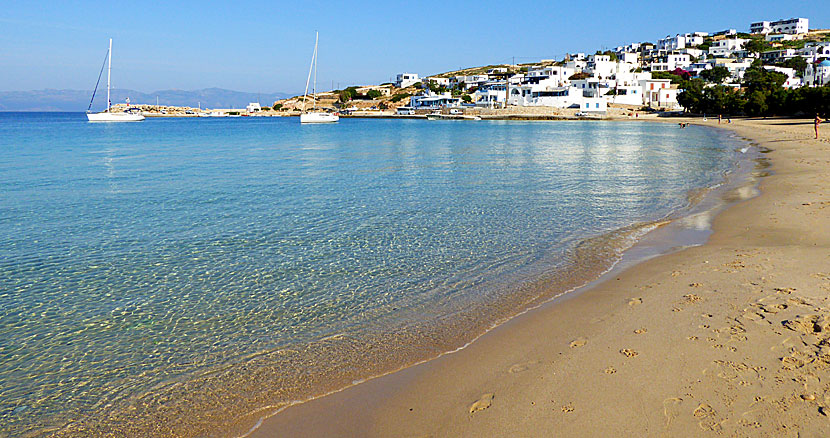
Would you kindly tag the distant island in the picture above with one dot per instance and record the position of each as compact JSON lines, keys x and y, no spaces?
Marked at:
{"x":78,"y":100}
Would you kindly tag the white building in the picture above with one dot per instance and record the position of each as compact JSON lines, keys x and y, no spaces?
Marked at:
{"x":490,"y":95}
{"x":774,"y":56}
{"x":253,"y":106}
{"x":793,"y":81}
{"x":629,"y":57}
{"x":776,"y":38}
{"x":434,"y":101}
{"x":817,"y":75}
{"x":679,"y":41}
{"x":625,"y":95}
{"x":406,"y":79}
{"x":727,"y":47}
{"x":596,"y":105}
{"x":560,"y":74}
{"x":736,"y":68}
{"x":659,"y":93}
{"x":468,"y":81}
{"x":434,"y":80}
{"x":815,"y":51}
{"x":790,"y":26}
{"x":672,"y":62}
{"x":545,"y":94}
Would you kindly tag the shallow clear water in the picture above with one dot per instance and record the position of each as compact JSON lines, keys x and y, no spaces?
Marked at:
{"x":136,"y":255}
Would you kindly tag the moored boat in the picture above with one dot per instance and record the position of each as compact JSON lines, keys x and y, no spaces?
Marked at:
{"x":108,"y":115}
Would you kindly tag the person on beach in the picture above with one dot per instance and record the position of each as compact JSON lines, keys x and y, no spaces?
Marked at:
{"x":719,"y":118}
{"x":817,"y":122}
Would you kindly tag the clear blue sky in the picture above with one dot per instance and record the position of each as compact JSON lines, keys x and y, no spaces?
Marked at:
{"x":265,"y":46}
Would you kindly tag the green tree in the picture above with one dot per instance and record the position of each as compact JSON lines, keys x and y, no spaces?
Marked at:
{"x":761,"y":79}
{"x":756,"y":46}
{"x":756,"y":103}
{"x":466,"y":98}
{"x":373,"y":94}
{"x":277,"y":106}
{"x":675,"y":79}
{"x":715,"y":75}
{"x":798,"y":64}
{"x":692,"y":95}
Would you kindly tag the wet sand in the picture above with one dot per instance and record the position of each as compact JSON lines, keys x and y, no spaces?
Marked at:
{"x":728,"y":338}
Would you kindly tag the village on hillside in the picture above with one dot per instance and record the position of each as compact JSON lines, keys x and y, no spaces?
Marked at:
{"x":776,"y":67}
{"x":649,"y":76}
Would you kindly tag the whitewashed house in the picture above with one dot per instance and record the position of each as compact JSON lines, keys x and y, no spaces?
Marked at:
{"x":438,"y":81}
{"x":777,"y":38}
{"x":593,"y":105}
{"x":817,"y":75}
{"x":625,"y":95}
{"x":434,"y":101}
{"x":468,"y":81}
{"x":789,"y":26}
{"x":404,"y":80}
{"x":546,"y":92}
{"x":490,"y":95}
{"x":727,"y":47}
{"x":793,"y":81}
{"x":775,"y":56}
{"x":252,"y":107}
{"x":629,"y":57}
{"x":815,"y":51}
{"x":560,"y":74}
{"x":736,"y":68}
{"x":681,"y":41}
{"x":671,"y":62}
{"x":659,"y":93}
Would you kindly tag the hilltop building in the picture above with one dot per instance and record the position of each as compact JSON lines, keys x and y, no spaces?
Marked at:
{"x":406,"y":79}
{"x":790,"y":26}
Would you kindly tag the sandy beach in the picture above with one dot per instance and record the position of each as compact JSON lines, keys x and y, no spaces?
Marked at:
{"x":730,"y":338}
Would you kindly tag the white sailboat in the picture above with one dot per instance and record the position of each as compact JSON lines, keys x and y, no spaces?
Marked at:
{"x":315,"y":116}
{"x":108,"y":116}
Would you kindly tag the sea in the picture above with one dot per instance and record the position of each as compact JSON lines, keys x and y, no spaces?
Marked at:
{"x":185,"y":277}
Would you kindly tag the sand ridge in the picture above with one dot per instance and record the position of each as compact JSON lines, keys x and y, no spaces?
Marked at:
{"x":731,"y":338}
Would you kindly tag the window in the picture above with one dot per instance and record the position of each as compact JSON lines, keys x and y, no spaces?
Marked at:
{"x":587,"y":105}
{"x":652,"y":86}
{"x":597,"y":105}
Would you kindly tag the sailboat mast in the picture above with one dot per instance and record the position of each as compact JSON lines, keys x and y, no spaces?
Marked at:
{"x":314,"y":90}
{"x":109,"y":73}
{"x":308,"y":79}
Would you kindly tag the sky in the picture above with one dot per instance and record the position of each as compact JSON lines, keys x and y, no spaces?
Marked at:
{"x":266,"y":46}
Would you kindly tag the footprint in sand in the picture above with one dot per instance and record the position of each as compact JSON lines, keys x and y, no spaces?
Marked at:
{"x":628,"y":352}
{"x":521,"y":367}
{"x":568,"y":408}
{"x":482,"y":403}
{"x":671,"y":409}
{"x":610,"y":370}
{"x":578,"y":342}
{"x":640,"y":331}
{"x":635,"y":301}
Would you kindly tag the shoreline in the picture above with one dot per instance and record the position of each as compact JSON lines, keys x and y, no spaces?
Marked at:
{"x":380,"y":401}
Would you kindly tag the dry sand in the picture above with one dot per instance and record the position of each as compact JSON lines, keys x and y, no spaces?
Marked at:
{"x":731,"y":338}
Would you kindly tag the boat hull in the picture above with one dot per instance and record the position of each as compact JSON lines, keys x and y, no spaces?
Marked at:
{"x":114,"y":117}
{"x":319,"y":118}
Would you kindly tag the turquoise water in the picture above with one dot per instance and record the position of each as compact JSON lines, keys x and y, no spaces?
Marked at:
{"x":139,"y":258}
